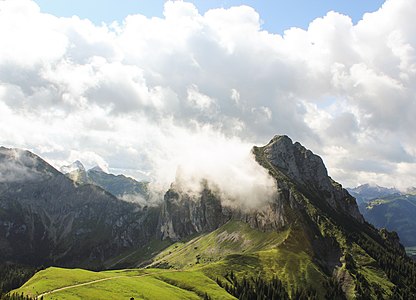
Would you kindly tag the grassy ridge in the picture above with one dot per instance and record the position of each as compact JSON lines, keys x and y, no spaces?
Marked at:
{"x":233,"y":238}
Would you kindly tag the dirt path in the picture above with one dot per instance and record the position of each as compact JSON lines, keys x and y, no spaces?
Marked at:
{"x":98,"y":280}
{"x":78,"y":285}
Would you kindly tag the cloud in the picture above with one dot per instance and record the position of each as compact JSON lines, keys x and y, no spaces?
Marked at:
{"x":150,"y":95}
{"x":226,"y":164}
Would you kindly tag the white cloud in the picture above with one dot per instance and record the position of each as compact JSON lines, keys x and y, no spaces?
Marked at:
{"x":132,"y":95}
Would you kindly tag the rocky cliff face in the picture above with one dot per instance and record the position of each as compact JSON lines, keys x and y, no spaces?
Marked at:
{"x":46,"y":218}
{"x":183,"y":215}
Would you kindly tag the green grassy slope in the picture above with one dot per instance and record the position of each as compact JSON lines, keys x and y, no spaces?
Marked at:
{"x":58,"y":283}
{"x":232,"y":238}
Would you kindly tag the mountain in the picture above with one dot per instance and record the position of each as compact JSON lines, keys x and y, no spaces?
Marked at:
{"x":309,"y":241}
{"x":311,"y":235}
{"x":47,"y":219}
{"x":121,"y":186}
{"x":366,"y":192}
{"x":396,"y":213}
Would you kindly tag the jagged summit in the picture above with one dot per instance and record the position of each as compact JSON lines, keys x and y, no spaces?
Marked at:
{"x":297,"y":162}
{"x":119,"y":185}
{"x":76,"y":172}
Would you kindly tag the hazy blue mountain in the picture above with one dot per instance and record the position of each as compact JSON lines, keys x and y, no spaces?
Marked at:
{"x":366,"y":192}
{"x":394,"y":212}
{"x":119,"y":185}
{"x":123,"y":187}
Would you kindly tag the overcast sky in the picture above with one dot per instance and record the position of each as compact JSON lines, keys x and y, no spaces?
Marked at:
{"x":145,"y":94}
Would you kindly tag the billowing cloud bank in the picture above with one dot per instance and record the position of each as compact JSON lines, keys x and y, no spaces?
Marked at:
{"x":150,"y":95}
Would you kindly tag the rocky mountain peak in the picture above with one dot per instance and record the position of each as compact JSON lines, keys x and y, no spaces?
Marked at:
{"x":297,"y":162}
{"x":293,"y":163}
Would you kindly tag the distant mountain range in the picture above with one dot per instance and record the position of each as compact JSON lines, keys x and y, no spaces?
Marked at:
{"x":367,"y":192}
{"x":309,"y":237}
{"x":389,"y":208}
{"x":123,"y":187}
